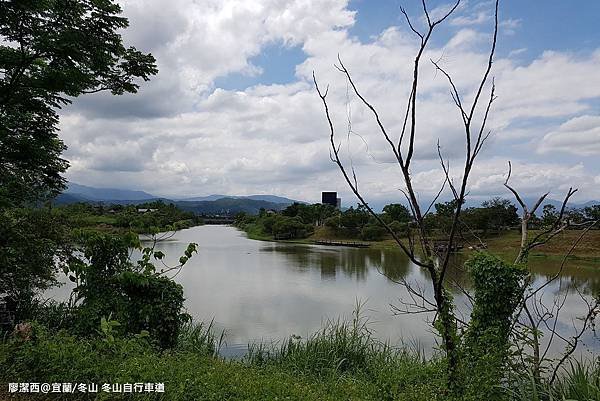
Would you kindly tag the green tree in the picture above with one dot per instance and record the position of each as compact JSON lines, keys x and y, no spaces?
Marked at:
{"x":592,"y":213}
{"x":50,"y":52}
{"x":138,"y":296}
{"x":501,"y":213}
{"x":354,"y":219}
{"x":32,"y":243}
{"x":397,"y":212}
{"x":310,"y":214}
{"x":493,"y":215}
{"x":549,"y":215}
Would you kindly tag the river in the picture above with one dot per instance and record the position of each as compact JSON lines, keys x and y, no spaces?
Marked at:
{"x":261,"y":291}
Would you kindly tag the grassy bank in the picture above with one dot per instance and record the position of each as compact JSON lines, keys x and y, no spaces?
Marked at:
{"x":341,"y":362}
{"x":505,"y":245}
{"x":143,"y":218}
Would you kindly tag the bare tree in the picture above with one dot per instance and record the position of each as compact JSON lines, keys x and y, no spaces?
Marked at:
{"x":420,"y":246}
{"x":535,"y":313}
{"x":422,"y":251}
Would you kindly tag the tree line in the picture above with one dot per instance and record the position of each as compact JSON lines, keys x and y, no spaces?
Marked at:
{"x":493,"y":217}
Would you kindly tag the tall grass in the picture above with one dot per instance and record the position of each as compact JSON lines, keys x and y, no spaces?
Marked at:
{"x":200,"y":338}
{"x":341,"y":346}
{"x":347,"y":349}
{"x":579,"y":381}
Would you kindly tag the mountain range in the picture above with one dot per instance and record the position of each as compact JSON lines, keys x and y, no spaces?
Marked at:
{"x":211,"y":204}
{"x":221,"y":204}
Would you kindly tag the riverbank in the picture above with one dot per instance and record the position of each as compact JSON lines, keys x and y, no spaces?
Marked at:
{"x":505,"y":245}
{"x":191,"y":372}
{"x":339,"y":363}
{"x":145,"y":218}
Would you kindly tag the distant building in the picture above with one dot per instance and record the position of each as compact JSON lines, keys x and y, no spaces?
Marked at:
{"x":330,"y":198}
{"x":146,"y":210}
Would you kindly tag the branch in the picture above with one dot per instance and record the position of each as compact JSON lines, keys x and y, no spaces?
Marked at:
{"x":336,"y":158}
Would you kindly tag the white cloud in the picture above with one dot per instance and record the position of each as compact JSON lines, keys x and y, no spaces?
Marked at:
{"x":476,"y":19}
{"x":182,"y":136}
{"x":509,"y":26}
{"x":579,"y":136}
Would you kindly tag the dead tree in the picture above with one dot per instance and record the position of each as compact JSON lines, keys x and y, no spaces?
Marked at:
{"x":536,"y":315}
{"x":531,"y":314}
{"x":421,"y":250}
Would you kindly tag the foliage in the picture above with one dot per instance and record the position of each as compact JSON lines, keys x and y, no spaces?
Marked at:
{"x":143,"y":218}
{"x":341,"y":362}
{"x":345,"y":348}
{"x":187,"y":375}
{"x":274,"y":225}
{"x":549,"y":215}
{"x":289,"y":227}
{"x":498,"y":288}
{"x":401,"y":229}
{"x":199,"y":339}
{"x":372,"y":232}
{"x":354,"y":219}
{"x":579,"y":381}
{"x":136,"y":296}
{"x":310,"y":214}
{"x":494,"y":215}
{"x":51,"y":52}
{"x":592,"y":213}
{"x":32,"y":243}
{"x":397,"y":212}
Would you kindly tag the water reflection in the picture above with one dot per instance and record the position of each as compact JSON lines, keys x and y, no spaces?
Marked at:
{"x":262,"y":291}
{"x":352,"y":263}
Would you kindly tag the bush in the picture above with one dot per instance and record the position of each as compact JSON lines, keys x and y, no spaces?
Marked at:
{"x":401,"y":229}
{"x":290,"y":227}
{"x":109,"y":285}
{"x":333,"y":222}
{"x":372,"y":232}
{"x":498,"y":289}
{"x":32,"y":242}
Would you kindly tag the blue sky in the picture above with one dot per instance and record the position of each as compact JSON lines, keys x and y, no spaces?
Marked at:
{"x":233,"y":109}
{"x":542,"y":25}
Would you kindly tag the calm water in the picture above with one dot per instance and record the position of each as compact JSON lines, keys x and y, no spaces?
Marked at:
{"x":264,"y":292}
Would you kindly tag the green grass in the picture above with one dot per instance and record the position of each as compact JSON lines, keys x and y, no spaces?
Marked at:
{"x":340,"y":362}
{"x":189,"y":372}
{"x":254,"y":231}
{"x":579,"y":380}
{"x":506,"y":245}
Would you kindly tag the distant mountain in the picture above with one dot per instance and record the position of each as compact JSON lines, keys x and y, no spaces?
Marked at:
{"x":106,"y":194}
{"x":205,"y":198}
{"x":530,"y":202}
{"x":590,"y":203}
{"x":272,"y":198}
{"x":212,"y":204}
{"x":267,"y":198}
{"x":67,"y":198}
{"x":229,"y":206}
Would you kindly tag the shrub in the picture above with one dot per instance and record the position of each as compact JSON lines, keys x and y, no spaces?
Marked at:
{"x":498,"y":289}
{"x":372,"y":232}
{"x":109,"y":285}
{"x":290,"y":227}
{"x":399,"y":228}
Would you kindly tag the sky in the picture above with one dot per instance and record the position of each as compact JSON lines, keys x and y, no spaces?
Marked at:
{"x":233,"y":109}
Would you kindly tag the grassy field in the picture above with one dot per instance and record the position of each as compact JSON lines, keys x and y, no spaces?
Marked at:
{"x":505,"y":245}
{"x":341,"y":362}
{"x":588,"y":247}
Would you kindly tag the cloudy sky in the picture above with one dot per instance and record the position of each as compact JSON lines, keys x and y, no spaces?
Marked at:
{"x":233,"y":109}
